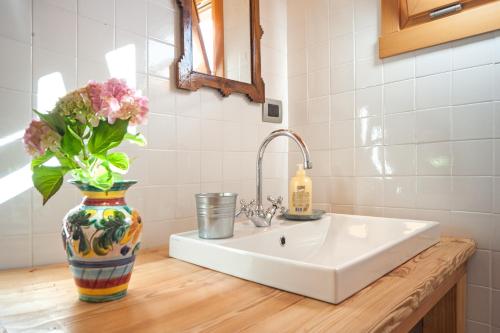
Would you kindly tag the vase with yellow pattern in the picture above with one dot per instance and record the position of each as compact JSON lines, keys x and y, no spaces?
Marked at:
{"x":102,"y":236}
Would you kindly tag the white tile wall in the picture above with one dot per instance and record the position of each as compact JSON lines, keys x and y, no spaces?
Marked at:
{"x":197,"y":141}
{"x":412,"y":136}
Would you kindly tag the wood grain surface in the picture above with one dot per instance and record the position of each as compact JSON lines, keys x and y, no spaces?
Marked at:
{"x":168,"y":295}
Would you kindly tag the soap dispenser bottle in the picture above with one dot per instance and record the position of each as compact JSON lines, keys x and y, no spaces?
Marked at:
{"x":300,"y":193}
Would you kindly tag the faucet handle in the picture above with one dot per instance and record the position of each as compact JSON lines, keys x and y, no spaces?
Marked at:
{"x":275,"y":202}
{"x":247,"y":208}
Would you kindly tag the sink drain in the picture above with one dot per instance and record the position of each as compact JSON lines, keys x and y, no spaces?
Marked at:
{"x":282,"y":241}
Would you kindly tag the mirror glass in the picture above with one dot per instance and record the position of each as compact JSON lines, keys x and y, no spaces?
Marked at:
{"x":221,"y":38}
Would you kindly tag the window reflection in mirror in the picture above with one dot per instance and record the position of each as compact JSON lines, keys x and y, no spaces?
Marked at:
{"x":221,"y":38}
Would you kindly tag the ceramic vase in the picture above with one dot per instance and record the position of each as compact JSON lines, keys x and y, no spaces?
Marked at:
{"x":102,"y":236}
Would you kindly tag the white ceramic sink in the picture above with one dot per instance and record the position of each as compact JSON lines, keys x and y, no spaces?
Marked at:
{"x":329,"y":259}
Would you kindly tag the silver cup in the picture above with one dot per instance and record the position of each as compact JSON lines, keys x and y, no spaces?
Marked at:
{"x":215,"y":212}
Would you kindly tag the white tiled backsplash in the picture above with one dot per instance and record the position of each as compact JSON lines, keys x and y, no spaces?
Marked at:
{"x":198,"y":141}
{"x":413,"y":136}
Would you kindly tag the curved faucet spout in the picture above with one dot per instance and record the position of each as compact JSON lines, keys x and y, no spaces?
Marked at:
{"x":260,"y":155}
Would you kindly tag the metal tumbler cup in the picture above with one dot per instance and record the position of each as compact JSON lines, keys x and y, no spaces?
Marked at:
{"x":215,"y":212}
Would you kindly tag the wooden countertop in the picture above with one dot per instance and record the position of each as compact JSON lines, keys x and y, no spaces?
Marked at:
{"x":168,"y":295}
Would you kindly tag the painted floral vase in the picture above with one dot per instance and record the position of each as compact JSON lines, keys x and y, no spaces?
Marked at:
{"x":102,"y":236}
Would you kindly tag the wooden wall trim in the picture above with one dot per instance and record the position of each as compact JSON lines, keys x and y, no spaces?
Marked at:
{"x":471,"y":21}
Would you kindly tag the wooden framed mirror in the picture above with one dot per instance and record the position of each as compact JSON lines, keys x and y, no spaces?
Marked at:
{"x":220,"y":47}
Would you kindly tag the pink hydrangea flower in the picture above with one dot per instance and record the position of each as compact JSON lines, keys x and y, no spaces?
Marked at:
{"x":39,"y":137}
{"x":94,"y":90}
{"x":115,"y":100}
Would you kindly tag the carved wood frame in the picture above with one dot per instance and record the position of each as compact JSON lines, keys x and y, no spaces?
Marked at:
{"x":187,"y":78}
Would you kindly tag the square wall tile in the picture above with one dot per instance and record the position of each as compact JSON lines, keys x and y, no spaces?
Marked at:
{"x":160,"y":58}
{"x":473,"y":51}
{"x":318,"y":56}
{"x":342,"y":49}
{"x":473,"y":85}
{"x":15,"y":65}
{"x":16,"y":215}
{"x":369,"y":131}
{"x":342,"y":190}
{"x":433,"y":125}
{"x":400,"y":192}
{"x":161,"y":98}
{"x":188,"y":133}
{"x":370,"y":191}
{"x":473,"y":194}
{"x":478,"y":300}
{"x":474,"y":121}
{"x":48,"y":249}
{"x":342,"y":78}
{"x":90,"y":47}
{"x":342,"y":134}
{"x":400,"y":160}
{"x":297,"y":62}
{"x":495,"y":243}
{"x":495,"y":308}
{"x":15,"y":251}
{"x":433,"y":91}
{"x":400,"y":67}
{"x":366,"y":14}
{"x":434,"y":193}
{"x":433,"y":60}
{"x":125,"y":41}
{"x":399,"y":96}
{"x":318,"y":83}
{"x":495,"y":270}
{"x":342,"y":18}
{"x":131,"y":15}
{"x":318,"y":109}
{"x":100,"y":10}
{"x":15,"y":20}
{"x":368,"y":73}
{"x":162,"y":167}
{"x":434,"y":159}
{"x":343,"y":106}
{"x":343,"y":162}
{"x":369,"y":101}
{"x":161,"y":22}
{"x":366,"y":43}
{"x":478,"y":268}
{"x":369,"y":161}
{"x":13,"y":122}
{"x":399,"y":128}
{"x":47,"y":23}
{"x":473,"y":158}
{"x":162,"y":132}
{"x":470,"y":225}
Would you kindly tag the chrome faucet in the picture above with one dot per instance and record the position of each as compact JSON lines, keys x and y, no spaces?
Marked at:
{"x":255,"y":210}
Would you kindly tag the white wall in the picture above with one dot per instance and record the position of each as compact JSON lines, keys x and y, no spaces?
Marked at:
{"x":197,"y":141}
{"x":412,"y":136}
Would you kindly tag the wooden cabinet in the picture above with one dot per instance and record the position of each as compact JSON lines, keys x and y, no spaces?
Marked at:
{"x":409,"y":25}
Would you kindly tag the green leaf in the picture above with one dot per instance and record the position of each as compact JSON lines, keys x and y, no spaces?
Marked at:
{"x":40,"y":160}
{"x":107,"y":136}
{"x":104,"y":180}
{"x":54,"y":120}
{"x":119,"y":160}
{"x":47,"y":180}
{"x":138,"y":139}
{"x":71,"y":143}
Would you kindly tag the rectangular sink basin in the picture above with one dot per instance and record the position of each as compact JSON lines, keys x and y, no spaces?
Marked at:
{"x":329,"y":259}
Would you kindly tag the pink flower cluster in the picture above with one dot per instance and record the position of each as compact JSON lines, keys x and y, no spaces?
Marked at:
{"x":39,"y":137}
{"x":113,"y":100}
